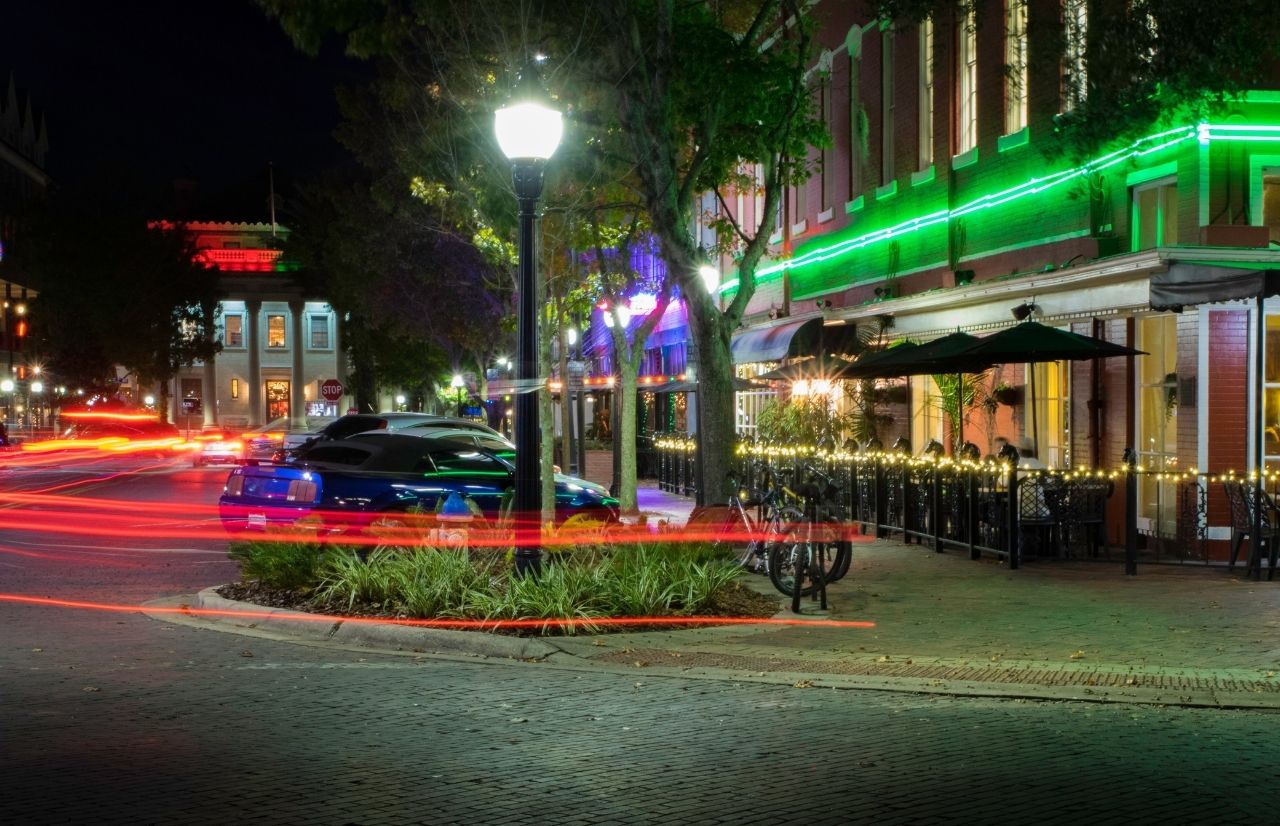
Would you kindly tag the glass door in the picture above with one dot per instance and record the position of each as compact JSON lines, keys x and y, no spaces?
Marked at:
{"x":277,"y":400}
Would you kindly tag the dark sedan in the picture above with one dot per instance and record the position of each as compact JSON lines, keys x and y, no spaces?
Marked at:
{"x":376,"y":478}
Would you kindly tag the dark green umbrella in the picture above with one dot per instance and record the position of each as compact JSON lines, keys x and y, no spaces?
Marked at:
{"x":946,"y":355}
{"x":1031,"y":342}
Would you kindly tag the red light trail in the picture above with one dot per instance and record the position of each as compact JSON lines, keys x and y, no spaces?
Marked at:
{"x":463,"y":624}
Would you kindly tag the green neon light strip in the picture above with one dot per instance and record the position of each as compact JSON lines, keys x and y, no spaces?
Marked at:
{"x":1158,"y":142}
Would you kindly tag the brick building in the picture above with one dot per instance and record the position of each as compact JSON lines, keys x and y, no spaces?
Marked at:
{"x":936,"y":209}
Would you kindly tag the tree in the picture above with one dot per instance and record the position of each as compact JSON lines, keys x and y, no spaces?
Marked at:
{"x":686,"y":97}
{"x":1145,"y":60}
{"x":114,"y":290}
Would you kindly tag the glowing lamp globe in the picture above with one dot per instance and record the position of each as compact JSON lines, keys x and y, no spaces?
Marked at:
{"x":457,"y":381}
{"x":6,"y":386}
{"x":528,"y":130}
{"x":710,"y":277}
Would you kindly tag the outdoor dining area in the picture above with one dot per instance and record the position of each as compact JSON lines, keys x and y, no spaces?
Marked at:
{"x":1005,"y":504}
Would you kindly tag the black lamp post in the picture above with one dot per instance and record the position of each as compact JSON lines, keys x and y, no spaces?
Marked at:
{"x":458,"y":383}
{"x":528,"y":132}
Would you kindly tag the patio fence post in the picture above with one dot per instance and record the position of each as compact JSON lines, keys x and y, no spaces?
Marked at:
{"x":936,"y":507}
{"x":1012,"y":529}
{"x":1131,"y":512}
{"x":880,"y":512}
{"x":972,"y":520}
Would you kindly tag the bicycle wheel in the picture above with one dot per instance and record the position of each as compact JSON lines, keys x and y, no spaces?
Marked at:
{"x":843,"y":551}
{"x":730,"y":539}
{"x":794,"y":552}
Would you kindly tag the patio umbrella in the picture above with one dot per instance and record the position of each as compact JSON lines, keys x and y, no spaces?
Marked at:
{"x":812,"y":367}
{"x":946,"y":355}
{"x":1031,"y":342}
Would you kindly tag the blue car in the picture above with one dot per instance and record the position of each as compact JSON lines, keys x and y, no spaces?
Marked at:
{"x":376,"y":478}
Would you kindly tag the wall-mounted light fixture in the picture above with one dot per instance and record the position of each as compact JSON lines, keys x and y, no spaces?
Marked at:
{"x":1024,"y":310}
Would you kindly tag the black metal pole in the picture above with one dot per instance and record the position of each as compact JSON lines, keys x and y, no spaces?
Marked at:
{"x":527,"y":177}
{"x":1131,"y":512}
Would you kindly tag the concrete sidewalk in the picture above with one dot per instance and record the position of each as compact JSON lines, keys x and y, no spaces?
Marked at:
{"x":943,"y":623}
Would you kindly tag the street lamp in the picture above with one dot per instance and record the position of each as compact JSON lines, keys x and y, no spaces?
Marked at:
{"x":528,"y":132}
{"x":457,"y":383}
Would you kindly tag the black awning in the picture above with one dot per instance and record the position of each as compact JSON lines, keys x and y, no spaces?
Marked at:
{"x":793,"y":339}
{"x":1186,"y":285}
{"x":772,"y":343}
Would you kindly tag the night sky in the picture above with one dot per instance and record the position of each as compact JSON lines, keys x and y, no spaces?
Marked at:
{"x":154,"y":90}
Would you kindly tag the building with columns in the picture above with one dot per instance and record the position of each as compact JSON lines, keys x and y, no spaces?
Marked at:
{"x":279,"y":342}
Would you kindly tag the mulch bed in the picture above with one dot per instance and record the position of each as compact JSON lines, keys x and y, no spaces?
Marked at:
{"x":734,"y":602}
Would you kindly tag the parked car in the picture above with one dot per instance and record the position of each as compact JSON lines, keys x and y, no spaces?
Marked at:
{"x":264,"y":442}
{"x":354,"y":423}
{"x":375,"y":478}
{"x":488,"y":439}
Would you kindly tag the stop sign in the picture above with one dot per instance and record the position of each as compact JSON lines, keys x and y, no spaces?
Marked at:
{"x":331,"y":390}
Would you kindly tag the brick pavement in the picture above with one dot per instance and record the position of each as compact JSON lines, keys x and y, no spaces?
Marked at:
{"x":192,"y":729}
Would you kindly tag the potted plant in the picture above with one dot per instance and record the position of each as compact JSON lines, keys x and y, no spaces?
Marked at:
{"x":1007,"y":394}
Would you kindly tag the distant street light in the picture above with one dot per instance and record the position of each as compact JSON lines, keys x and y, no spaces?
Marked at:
{"x":149,"y":400}
{"x":457,"y":383}
{"x":528,"y":131}
{"x":6,"y":386}
{"x":37,"y":387}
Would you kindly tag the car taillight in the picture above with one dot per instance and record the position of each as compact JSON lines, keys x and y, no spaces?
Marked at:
{"x":235,"y":485}
{"x":301,"y":491}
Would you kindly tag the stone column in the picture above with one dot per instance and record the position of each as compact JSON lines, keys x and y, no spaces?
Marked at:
{"x":209,"y":383}
{"x":339,"y":361}
{"x":297,"y":399}
{"x":253,"y":311}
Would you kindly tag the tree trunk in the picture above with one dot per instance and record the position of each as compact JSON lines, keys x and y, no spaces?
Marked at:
{"x":546,"y":428}
{"x":566,"y":432}
{"x":162,"y":392}
{"x":626,"y":425}
{"x":717,"y":434}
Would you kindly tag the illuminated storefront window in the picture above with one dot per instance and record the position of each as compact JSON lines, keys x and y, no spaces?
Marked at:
{"x":275,"y":331}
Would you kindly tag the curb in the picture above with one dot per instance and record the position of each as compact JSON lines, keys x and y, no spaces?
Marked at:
{"x":374,"y":634}
{"x":574,"y":655}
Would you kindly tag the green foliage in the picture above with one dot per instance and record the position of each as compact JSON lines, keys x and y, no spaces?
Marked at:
{"x":960,"y":393}
{"x":112,"y":290}
{"x":802,"y":420}
{"x":295,"y":564}
{"x":581,"y":582}
{"x":1144,"y":60}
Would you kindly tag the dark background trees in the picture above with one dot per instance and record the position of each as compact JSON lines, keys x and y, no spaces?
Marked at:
{"x":112,"y":291}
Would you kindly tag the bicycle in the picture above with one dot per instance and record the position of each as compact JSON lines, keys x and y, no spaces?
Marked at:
{"x":813,"y":551}
{"x":775,"y":517}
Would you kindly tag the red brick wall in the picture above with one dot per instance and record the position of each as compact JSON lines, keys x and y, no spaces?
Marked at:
{"x":1228,"y":402}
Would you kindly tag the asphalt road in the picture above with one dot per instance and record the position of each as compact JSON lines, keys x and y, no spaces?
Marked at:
{"x":118,"y":718}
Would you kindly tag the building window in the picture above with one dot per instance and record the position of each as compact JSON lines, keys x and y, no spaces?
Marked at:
{"x":320,"y":331}
{"x":1271,"y":204}
{"x":1015,"y":59}
{"x":275,"y":332}
{"x":1052,"y":406}
{"x":235,"y":388}
{"x":925,"y":159}
{"x":966,"y":85}
{"x":886,"y":107}
{"x":928,"y":413}
{"x":1075,"y":20}
{"x":828,"y":171}
{"x":1158,"y":420}
{"x":1271,"y":392}
{"x":1155,"y":214}
{"x":857,"y":130}
{"x":233,"y":331}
